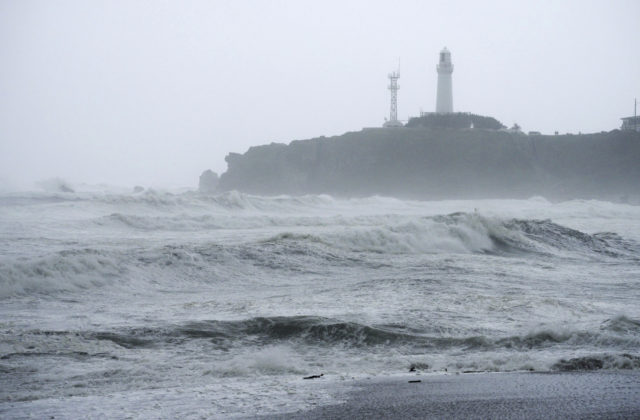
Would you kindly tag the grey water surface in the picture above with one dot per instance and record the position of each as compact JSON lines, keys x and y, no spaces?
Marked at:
{"x":158,"y":305}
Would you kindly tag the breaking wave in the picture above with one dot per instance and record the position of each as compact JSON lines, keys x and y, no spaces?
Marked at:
{"x":351,"y":243}
{"x":609,"y":347}
{"x":597,"y":362}
{"x":468,"y":233}
{"x":315,"y":330}
{"x":68,"y":270}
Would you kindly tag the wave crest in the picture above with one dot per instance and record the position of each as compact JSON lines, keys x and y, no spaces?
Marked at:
{"x":64,"y":271}
{"x":468,"y":233}
{"x":315,"y":330}
{"x":597,"y":362}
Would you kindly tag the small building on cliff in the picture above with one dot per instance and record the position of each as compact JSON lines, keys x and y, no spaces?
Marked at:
{"x":631,"y":123}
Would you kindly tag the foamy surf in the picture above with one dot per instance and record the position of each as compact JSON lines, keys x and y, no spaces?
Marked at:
{"x":241,"y":296}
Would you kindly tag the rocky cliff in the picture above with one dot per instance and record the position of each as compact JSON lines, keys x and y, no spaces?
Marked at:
{"x":434,"y":163}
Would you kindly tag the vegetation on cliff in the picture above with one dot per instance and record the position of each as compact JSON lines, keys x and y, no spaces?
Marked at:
{"x":458,"y":120}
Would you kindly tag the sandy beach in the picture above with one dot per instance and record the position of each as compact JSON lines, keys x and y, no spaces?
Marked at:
{"x":571,"y":395}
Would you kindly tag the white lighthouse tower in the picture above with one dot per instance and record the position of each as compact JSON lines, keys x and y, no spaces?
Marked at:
{"x":444,"y":100}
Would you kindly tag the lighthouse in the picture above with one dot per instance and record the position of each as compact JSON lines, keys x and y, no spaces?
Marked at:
{"x":444,"y":99}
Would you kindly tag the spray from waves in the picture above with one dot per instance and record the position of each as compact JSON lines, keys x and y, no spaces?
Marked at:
{"x":56,"y":185}
{"x":232,"y":201}
{"x":184,"y":222}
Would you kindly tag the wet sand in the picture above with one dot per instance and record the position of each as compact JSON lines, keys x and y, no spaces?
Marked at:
{"x":571,"y":395}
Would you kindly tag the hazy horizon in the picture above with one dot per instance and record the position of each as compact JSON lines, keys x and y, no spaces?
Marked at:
{"x":153,"y":93}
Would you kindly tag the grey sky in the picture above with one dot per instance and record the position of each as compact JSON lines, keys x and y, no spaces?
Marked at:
{"x":154,"y":92}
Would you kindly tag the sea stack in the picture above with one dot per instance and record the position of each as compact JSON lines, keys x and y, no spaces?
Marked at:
{"x":208,"y":182}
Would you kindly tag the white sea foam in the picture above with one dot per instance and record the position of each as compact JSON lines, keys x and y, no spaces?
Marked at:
{"x":240,"y":296}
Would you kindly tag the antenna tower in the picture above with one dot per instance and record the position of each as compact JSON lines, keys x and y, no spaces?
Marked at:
{"x":393,"y":87}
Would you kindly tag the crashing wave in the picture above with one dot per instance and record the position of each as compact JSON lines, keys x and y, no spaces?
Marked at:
{"x":316,"y":330}
{"x":544,"y":350}
{"x":352,"y":242}
{"x":69,"y":270}
{"x":469,"y":233}
{"x":597,"y":362}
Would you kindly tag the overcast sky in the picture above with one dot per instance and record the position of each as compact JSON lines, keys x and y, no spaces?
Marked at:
{"x":154,"y":92}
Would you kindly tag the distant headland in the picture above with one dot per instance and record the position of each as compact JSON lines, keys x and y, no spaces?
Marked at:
{"x":442,"y":155}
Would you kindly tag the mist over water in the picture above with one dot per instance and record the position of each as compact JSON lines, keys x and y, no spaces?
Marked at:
{"x":111,"y":296}
{"x":152,"y":303}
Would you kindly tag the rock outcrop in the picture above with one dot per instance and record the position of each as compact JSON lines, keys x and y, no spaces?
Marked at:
{"x":208,"y":182}
{"x":436,"y":163}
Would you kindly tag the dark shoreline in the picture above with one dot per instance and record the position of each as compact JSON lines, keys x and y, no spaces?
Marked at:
{"x":518,"y":395}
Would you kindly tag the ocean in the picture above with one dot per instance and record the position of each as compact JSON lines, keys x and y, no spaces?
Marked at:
{"x":155,"y":304}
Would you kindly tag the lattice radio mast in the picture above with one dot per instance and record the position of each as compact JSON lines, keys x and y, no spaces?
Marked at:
{"x":393,"y":88}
